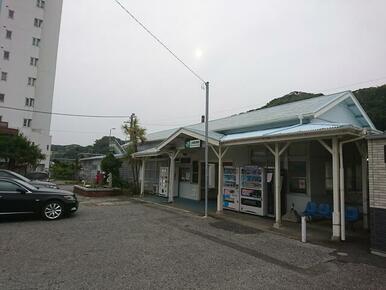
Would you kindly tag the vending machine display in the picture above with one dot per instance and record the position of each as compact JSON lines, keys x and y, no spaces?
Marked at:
{"x":252,"y":192}
{"x":164,"y":181}
{"x":231,"y":194}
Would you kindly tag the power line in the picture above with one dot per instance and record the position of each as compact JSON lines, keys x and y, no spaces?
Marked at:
{"x":357,"y":83}
{"x":160,"y":42}
{"x":66,"y":114}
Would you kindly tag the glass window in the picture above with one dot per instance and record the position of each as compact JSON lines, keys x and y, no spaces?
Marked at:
{"x":185,"y":174}
{"x":4,"y":76}
{"x":11,"y":14}
{"x":297,"y":173}
{"x":195,"y":172}
{"x":6,"y":55}
{"x":8,"y":34}
{"x":40,"y":3}
{"x":8,"y":186}
{"x":328,"y":176}
{"x":2,"y":97}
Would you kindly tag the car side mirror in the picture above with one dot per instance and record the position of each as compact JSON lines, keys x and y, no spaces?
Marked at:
{"x":22,"y":191}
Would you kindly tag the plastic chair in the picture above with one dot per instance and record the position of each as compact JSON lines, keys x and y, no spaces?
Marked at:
{"x":324,"y":211}
{"x":310,"y":210}
{"x":352,"y":215}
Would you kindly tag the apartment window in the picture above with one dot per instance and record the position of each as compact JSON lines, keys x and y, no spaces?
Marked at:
{"x":8,"y":34}
{"x":1,"y":118}
{"x":34,"y":61}
{"x":6,"y":55}
{"x":11,"y":14}
{"x":35,"y":41}
{"x":31,"y":82}
{"x":2,"y":97}
{"x":41,"y":3}
{"x":38,"y":22}
{"x":27,"y":122}
{"x":29,"y":102}
{"x":4,"y":76}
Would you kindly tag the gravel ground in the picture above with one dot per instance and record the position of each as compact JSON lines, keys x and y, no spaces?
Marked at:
{"x":131,"y":245}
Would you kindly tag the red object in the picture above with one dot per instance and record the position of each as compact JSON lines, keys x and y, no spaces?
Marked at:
{"x":98,"y":177}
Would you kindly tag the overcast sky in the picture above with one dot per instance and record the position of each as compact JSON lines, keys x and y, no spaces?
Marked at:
{"x":250,"y":51}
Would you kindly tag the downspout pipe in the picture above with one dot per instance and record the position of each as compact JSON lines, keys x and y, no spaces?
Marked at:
{"x":341,"y":180}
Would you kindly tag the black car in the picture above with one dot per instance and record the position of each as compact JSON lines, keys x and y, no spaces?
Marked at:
{"x":19,"y":197}
{"x":38,"y":175}
{"x":36,"y":183}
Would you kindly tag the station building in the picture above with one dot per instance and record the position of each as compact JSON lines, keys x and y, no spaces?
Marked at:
{"x":269,"y":161}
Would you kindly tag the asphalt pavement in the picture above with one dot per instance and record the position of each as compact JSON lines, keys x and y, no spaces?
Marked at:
{"x":126,"y":244}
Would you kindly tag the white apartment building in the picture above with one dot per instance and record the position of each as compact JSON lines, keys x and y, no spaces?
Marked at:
{"x":29,"y":36}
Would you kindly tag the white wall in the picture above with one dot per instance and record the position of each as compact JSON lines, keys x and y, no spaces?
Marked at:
{"x":341,"y":114}
{"x":19,"y":69}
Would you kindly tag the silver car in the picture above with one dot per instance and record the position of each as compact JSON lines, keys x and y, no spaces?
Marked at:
{"x":36,"y":183}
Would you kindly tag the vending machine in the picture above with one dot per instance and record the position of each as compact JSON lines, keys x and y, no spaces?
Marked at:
{"x":231,"y":195}
{"x":252,"y":192}
{"x":163,"y":181}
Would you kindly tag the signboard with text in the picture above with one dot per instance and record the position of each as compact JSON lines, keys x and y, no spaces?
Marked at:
{"x":193,"y":144}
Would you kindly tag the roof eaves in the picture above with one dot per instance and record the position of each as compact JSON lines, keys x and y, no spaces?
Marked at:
{"x":293,"y":135}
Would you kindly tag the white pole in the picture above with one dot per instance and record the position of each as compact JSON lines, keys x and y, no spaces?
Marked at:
{"x":342,"y":198}
{"x":277,"y":187}
{"x":304,"y":229}
{"x":171,"y":181}
{"x":365,"y":192}
{"x":206,"y":146}
{"x":220,"y":177}
{"x":143,"y":177}
{"x":335,"y":187}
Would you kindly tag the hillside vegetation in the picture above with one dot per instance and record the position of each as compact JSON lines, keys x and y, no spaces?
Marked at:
{"x":373,"y":101}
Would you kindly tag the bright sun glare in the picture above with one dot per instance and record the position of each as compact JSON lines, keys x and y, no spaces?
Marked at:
{"x":198,"y":53}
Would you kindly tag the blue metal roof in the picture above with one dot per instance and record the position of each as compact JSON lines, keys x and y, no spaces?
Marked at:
{"x":280,"y":113}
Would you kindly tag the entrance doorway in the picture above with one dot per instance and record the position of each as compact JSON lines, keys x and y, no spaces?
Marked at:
{"x":213,"y":181}
{"x":270,"y":178}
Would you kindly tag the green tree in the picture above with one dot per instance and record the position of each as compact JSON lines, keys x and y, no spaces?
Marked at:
{"x":65,"y":170}
{"x":110,"y":164}
{"x":136,"y":135}
{"x":19,"y":152}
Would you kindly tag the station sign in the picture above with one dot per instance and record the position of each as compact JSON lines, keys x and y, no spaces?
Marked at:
{"x":193,"y":144}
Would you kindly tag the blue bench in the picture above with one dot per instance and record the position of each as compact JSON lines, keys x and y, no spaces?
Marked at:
{"x":311,"y":210}
{"x":322,"y":211}
{"x":352,"y":216}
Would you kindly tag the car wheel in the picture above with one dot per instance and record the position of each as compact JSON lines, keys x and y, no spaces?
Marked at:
{"x":53,"y":210}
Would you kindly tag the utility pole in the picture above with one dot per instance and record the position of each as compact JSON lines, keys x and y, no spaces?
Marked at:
{"x":206,"y":147}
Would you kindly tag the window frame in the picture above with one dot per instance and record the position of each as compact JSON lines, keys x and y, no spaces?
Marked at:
{"x":4,"y":76}
{"x":6,"y":55}
{"x":8,"y":34}
{"x":11,"y":14}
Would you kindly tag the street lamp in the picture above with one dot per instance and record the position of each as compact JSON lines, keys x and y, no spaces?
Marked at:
{"x":110,"y":138}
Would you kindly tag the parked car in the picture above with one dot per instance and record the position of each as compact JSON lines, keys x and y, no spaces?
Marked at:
{"x":36,"y":183}
{"x":38,"y":175}
{"x":19,"y":197}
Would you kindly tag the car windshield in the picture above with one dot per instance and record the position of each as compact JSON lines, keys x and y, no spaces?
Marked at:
{"x":26,"y":185}
{"x":20,"y":177}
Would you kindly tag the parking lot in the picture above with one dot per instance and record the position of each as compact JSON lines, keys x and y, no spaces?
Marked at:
{"x":128,"y":244}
